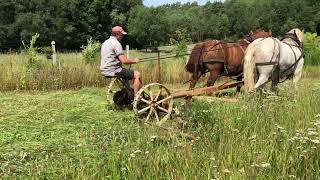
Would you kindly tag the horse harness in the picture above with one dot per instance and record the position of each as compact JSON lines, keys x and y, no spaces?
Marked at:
{"x":276,"y":68}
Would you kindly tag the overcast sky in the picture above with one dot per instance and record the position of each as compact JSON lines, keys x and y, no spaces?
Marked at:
{"x":150,"y":3}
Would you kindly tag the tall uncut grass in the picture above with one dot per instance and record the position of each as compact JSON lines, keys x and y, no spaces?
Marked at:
{"x":75,"y":73}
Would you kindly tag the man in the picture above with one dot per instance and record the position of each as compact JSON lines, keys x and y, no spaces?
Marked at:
{"x":112,"y":58}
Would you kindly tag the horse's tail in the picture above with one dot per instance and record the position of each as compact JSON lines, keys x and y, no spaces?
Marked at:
{"x":193,"y":63}
{"x":249,"y":68}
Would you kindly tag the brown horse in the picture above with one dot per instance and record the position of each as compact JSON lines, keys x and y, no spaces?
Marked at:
{"x":220,"y":58}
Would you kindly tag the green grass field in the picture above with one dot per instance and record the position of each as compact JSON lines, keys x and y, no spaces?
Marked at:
{"x":75,"y":134}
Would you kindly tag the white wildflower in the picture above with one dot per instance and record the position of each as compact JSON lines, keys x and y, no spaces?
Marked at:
{"x":241,"y":170}
{"x":132,"y":155}
{"x":283,"y":131}
{"x":316,"y":141}
{"x":252,"y":137}
{"x":312,"y":133}
{"x":264,"y":165}
{"x":235,"y":130}
{"x":292,"y":176}
{"x":255,"y":165}
{"x":137,"y":151}
{"x":147,"y":152}
{"x":227,"y":171}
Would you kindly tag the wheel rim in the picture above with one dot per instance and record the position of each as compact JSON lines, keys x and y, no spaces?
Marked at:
{"x":153,"y":103}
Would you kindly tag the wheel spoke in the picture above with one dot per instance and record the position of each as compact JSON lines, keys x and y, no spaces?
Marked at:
{"x":162,"y":109}
{"x":163,"y":100}
{"x":150,"y":113}
{"x":157,"y":117}
{"x":145,"y":101}
{"x":144,"y":109}
{"x":156,"y":98}
{"x":150,"y":93}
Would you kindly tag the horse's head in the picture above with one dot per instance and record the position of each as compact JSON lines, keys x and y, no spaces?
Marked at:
{"x":257,"y":34}
{"x":192,"y":65}
{"x":298,"y":34}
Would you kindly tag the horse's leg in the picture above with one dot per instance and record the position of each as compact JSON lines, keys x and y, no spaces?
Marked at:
{"x":239,"y":78}
{"x":264,"y":74}
{"x":193,"y":82}
{"x":275,"y":78}
{"x":296,"y":77}
{"x":215,"y":70}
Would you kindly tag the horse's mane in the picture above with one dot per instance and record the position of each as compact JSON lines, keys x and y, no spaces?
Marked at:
{"x":194,"y":58}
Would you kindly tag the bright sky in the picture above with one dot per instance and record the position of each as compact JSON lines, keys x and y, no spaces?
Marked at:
{"x":154,"y":3}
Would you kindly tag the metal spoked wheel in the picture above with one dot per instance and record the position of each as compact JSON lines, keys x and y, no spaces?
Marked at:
{"x":114,"y":86}
{"x":153,"y":103}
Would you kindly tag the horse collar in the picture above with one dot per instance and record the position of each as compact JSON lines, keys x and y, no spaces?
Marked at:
{"x":294,"y":37}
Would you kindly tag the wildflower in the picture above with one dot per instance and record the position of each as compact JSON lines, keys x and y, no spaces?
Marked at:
{"x":312,"y":133}
{"x":264,"y":165}
{"x":132,"y":155}
{"x":283,"y":131}
{"x":227,"y":171}
{"x":147,"y":152}
{"x":235,"y":130}
{"x":252,"y":137}
{"x":212,"y":159}
{"x":137,"y":151}
{"x":292,"y":176}
{"x":316,"y":141}
{"x":241,"y":170}
{"x":255,"y":165}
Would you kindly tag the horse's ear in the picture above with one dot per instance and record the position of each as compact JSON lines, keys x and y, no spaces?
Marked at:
{"x":303,"y":31}
{"x":251,"y":32}
{"x":294,"y":31}
{"x":270,"y":32}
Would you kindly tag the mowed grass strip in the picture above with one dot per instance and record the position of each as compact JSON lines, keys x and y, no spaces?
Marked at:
{"x":77,"y":135}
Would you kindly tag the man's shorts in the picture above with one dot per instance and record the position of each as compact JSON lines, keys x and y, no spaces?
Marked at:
{"x":125,"y":74}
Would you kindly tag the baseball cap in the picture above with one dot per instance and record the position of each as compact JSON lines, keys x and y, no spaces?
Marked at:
{"x":118,"y":29}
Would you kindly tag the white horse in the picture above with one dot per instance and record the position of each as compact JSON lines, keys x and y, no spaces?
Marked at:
{"x":272,"y":59}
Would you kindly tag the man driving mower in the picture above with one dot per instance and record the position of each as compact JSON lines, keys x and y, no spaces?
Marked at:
{"x":112,"y":58}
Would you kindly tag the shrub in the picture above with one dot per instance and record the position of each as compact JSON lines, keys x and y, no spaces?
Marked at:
{"x":90,"y":52}
{"x":47,"y":51}
{"x":312,"y":49}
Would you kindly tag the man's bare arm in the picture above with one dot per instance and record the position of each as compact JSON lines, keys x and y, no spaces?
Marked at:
{"x":124,"y":59}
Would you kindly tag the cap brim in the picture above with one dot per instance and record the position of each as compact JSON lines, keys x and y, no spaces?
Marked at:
{"x":123,"y":32}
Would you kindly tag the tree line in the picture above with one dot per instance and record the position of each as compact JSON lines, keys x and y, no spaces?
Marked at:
{"x":72,"y":22}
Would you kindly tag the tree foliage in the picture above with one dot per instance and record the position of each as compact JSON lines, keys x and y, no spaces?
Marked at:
{"x":71,"y":22}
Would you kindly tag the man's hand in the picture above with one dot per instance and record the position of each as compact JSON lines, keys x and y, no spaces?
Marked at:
{"x":135,"y":60}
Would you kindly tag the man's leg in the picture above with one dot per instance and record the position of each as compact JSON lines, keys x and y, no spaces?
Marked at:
{"x":136,"y":82}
